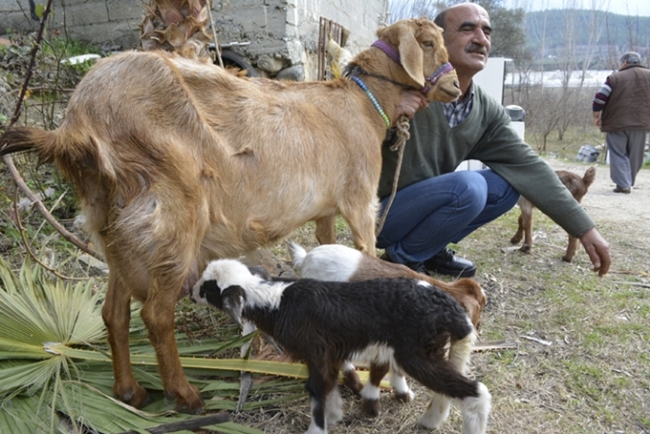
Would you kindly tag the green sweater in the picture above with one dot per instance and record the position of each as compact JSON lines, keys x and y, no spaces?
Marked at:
{"x":435,"y":148}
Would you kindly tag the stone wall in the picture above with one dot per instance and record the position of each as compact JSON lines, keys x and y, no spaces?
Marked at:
{"x":272,"y":35}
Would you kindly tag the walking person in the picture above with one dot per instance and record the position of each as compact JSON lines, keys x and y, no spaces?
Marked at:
{"x":434,"y":204}
{"x":621,"y":109}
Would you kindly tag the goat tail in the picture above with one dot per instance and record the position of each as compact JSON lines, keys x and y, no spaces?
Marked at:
{"x":25,"y":139}
{"x":297,"y":253}
{"x":72,"y":153}
{"x":589,"y":176}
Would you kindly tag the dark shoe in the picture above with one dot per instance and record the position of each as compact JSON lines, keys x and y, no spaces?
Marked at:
{"x":618,"y":189}
{"x":418,"y":267}
{"x":446,"y":262}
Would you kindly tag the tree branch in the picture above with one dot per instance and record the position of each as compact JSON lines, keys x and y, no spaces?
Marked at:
{"x":18,"y":179}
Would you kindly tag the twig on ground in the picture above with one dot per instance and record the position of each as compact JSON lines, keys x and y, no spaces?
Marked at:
{"x":539,"y":341}
{"x":186,"y":424}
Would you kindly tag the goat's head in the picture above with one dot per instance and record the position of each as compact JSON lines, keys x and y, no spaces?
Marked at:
{"x":418,"y":46}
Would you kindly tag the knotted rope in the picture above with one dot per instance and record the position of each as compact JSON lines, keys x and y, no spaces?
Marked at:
{"x":403,"y":135}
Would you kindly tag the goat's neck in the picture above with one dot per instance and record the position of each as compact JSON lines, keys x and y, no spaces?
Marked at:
{"x":387,"y":95}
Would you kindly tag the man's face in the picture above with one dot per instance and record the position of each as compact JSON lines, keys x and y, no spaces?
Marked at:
{"x":467,"y":37}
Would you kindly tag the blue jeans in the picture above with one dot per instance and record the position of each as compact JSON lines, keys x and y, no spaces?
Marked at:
{"x":428,"y":215}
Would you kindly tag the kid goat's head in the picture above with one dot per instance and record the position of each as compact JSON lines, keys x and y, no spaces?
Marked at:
{"x":222,"y":287}
{"x":229,"y":285}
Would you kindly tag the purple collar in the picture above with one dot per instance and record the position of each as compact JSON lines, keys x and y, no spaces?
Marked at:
{"x":390,"y":51}
{"x":430,"y":81}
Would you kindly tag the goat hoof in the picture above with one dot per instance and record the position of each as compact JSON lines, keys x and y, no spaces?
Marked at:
{"x":405,"y":396}
{"x":351,"y":381}
{"x":371,"y":407}
{"x":525,"y":248}
{"x":566,"y":258}
{"x":135,"y":397}
{"x":189,"y":403}
{"x":515,"y":240}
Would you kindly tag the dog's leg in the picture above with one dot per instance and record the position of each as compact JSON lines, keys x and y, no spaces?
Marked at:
{"x":116,"y":313}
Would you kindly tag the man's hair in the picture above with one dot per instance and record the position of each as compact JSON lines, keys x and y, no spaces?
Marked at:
{"x":440,"y":19}
{"x":631,"y":57}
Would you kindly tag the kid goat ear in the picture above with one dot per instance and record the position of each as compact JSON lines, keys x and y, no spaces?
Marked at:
{"x":233,"y":303}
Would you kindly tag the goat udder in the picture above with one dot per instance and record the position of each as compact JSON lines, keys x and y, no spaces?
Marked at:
{"x":190,"y":280}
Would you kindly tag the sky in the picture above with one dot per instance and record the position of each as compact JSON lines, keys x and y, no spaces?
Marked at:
{"x":622,"y":7}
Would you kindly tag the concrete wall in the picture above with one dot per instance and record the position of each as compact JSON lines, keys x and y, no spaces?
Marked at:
{"x":98,"y":21}
{"x":271,"y":34}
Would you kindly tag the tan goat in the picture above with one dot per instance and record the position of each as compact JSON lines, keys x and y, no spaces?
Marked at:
{"x":577,"y":186}
{"x":178,"y":162}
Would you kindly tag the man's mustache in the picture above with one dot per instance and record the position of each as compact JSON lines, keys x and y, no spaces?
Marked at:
{"x":476,"y":48}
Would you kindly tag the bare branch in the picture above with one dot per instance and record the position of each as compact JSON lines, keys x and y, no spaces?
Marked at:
{"x":18,"y":179}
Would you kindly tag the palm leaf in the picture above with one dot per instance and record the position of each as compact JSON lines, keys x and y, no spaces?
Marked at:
{"x":54,"y":361}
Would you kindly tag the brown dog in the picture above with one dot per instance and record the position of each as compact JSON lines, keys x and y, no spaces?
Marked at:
{"x":577,"y":186}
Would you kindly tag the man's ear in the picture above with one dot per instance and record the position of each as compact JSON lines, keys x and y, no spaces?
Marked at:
{"x":233,"y":302}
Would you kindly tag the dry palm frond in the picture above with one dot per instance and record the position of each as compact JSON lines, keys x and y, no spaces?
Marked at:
{"x":55,"y":367}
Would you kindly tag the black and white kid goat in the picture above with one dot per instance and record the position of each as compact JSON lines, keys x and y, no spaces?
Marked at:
{"x":336,"y":262}
{"x":404,"y":322}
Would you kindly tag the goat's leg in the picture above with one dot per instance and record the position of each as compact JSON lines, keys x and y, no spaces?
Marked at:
{"x":362,"y":224}
{"x":325,"y":230}
{"x":333,"y":407}
{"x":158,"y":316}
{"x":445,"y":378}
{"x":519,"y":235}
{"x":475,"y":411}
{"x":398,"y":382}
{"x":371,"y":391}
{"x":571,"y":249}
{"x":116,"y":313}
{"x":351,"y":378}
{"x":438,"y":408}
{"x":527,"y":223}
{"x":321,"y":382}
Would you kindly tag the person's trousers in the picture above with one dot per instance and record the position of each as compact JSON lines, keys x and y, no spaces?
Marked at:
{"x":626,"y":149}
{"x":426,"y":216}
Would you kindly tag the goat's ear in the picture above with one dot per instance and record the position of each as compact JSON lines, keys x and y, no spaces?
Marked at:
{"x":410,"y":54}
{"x":259,"y":271}
{"x":233,"y":302}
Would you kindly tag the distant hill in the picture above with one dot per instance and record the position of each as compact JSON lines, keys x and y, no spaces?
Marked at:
{"x":604,"y":34}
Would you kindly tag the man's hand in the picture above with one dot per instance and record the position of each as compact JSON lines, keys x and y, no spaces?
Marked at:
{"x":598,"y":250}
{"x":597,"y":120}
{"x":410,"y":102}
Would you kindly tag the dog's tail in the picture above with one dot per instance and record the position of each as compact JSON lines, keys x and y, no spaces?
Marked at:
{"x":589,"y":177}
{"x":297,"y":253}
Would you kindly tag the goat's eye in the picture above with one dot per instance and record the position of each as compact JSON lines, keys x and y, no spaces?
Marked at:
{"x":428,"y":44}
